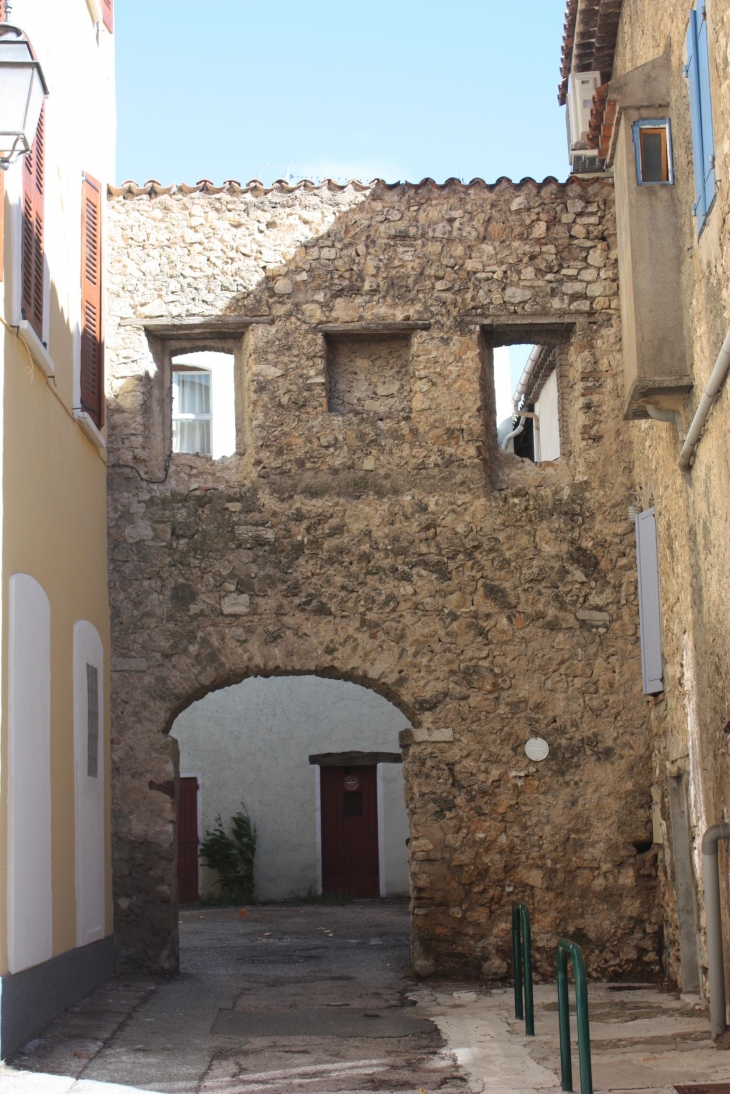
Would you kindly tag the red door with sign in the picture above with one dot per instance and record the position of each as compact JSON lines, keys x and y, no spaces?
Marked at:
{"x":187,"y":841}
{"x":350,"y":831}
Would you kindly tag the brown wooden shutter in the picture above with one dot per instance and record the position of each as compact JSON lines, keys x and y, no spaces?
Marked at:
{"x":107,"y":7}
{"x":32,"y":246}
{"x":92,"y":345}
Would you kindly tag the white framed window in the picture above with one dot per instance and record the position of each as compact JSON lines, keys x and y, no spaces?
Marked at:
{"x":191,"y":411}
{"x":653,"y":147}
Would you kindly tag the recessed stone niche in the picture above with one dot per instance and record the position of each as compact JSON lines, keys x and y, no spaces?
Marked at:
{"x":369,"y":375}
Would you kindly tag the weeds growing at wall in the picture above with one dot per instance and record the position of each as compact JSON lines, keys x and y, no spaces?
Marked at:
{"x":232,"y":856}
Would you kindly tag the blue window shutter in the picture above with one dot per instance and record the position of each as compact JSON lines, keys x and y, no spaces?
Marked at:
{"x":708,"y":139}
{"x":695,"y":108}
{"x":652,"y":666}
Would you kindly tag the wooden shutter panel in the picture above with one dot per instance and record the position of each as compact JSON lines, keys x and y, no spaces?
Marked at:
{"x":32,"y":244}
{"x":695,"y":118}
{"x":107,"y":14}
{"x":708,"y":138}
{"x":92,"y":345}
{"x":652,"y":665}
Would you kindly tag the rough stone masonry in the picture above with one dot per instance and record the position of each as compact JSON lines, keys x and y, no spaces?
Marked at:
{"x":368,"y":528}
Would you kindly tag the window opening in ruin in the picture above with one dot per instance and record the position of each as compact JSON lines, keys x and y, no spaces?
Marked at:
{"x":203,"y":404}
{"x":527,"y":401}
{"x":316,"y":763}
{"x":369,"y":374}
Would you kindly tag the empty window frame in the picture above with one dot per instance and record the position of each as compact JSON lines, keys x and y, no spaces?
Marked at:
{"x":697,"y":72}
{"x":203,"y":403}
{"x":526,"y":378}
{"x":191,"y":414}
{"x":653,"y":146}
{"x":92,"y":708}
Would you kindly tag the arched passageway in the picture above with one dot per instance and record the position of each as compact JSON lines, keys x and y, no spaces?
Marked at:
{"x":317,"y":765}
{"x":369,"y":528}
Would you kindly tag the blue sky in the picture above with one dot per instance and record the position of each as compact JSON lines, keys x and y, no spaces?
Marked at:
{"x":401,"y":89}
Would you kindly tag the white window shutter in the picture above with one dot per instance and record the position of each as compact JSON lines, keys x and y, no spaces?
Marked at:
{"x":647,"y":559}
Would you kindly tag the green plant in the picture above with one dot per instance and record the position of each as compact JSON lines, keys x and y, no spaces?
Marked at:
{"x":232,"y":856}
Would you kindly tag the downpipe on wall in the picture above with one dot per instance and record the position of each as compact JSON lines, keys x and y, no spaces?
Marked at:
{"x":715,"y":964}
{"x":719,"y":372}
{"x":660,"y":415}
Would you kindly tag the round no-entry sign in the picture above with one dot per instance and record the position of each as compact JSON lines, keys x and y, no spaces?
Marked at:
{"x":352,"y":782}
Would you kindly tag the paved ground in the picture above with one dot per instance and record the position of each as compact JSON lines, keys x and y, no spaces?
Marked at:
{"x":320,"y":999}
{"x":642,"y":1040}
{"x":285,"y":999}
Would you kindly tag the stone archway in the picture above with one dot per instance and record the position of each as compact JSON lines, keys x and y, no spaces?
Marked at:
{"x":145,"y":804}
{"x":369,"y":528}
{"x":273,"y":746}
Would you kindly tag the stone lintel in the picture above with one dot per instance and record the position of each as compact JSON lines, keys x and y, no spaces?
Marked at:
{"x":502,"y":330}
{"x":385,"y":327}
{"x":206,"y":324}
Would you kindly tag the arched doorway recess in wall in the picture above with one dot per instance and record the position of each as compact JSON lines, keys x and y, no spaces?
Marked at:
{"x":317,"y":764}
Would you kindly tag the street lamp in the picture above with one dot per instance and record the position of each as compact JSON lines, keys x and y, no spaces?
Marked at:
{"x":22,"y":91}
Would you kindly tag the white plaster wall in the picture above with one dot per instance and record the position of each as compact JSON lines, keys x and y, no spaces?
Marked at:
{"x":252,"y":742}
{"x":89,"y":801}
{"x":30,"y":912}
{"x":547,"y":436}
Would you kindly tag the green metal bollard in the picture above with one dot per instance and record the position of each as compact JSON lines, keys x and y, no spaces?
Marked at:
{"x":565,"y":948}
{"x":522,"y":958}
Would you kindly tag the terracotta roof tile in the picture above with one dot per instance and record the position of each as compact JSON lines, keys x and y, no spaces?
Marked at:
{"x":152,"y":188}
{"x":602,"y":122}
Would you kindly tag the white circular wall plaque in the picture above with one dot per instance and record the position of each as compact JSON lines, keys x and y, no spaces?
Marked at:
{"x":537,"y":748}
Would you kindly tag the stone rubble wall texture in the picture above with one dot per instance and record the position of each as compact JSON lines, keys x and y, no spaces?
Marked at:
{"x":691,"y":510}
{"x":391,"y":545}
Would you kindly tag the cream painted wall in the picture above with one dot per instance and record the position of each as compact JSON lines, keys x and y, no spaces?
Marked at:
{"x":53,"y":475}
{"x":252,"y":742}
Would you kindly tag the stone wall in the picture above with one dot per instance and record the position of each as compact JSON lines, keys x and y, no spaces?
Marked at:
{"x":689,"y":724}
{"x":369,"y":530}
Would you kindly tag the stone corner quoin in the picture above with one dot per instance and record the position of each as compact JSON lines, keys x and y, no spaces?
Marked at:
{"x":368,"y":528}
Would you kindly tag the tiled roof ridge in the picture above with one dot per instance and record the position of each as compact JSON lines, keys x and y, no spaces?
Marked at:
{"x":152,"y":188}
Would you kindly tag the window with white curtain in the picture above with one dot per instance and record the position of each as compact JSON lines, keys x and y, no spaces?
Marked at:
{"x":191,"y":411}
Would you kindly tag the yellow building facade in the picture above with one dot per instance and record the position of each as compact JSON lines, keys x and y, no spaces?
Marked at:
{"x":55,"y":890}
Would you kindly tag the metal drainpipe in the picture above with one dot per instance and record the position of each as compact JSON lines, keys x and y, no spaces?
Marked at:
{"x":715,"y":964}
{"x":527,"y":371}
{"x":722,"y":364}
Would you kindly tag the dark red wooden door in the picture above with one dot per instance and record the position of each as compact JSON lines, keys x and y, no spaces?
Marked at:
{"x":187,"y":841}
{"x":350,"y":830}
